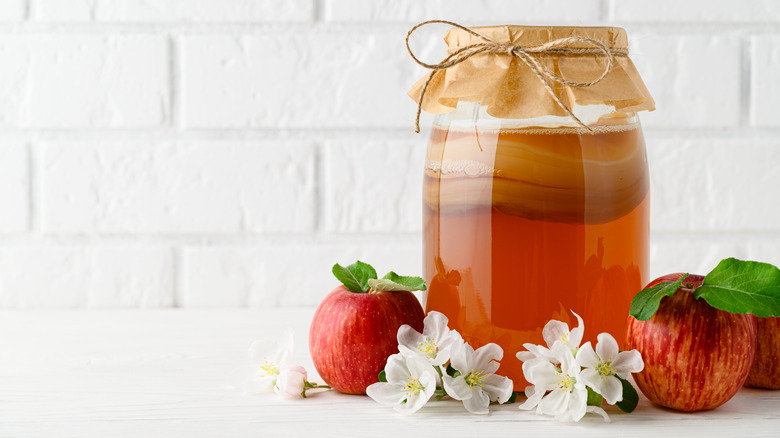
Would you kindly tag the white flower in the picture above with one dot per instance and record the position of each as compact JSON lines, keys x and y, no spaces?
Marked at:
{"x":604,"y":364}
{"x":476,"y":385}
{"x":291,"y":381}
{"x":435,"y":342}
{"x":568,"y":398}
{"x":269,"y":357}
{"x":411,"y":382}
{"x":554,"y":331}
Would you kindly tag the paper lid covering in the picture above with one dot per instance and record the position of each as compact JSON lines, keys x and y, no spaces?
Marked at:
{"x":512,"y":90}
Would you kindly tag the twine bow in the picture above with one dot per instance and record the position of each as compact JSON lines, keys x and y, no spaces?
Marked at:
{"x":526,"y":54}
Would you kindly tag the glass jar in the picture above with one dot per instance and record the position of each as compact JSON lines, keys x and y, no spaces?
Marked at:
{"x":525,"y":220}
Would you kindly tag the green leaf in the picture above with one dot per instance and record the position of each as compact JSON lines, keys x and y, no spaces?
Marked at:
{"x":594,"y":398}
{"x":513,"y":397}
{"x":452,"y":372}
{"x":413,"y":283}
{"x":395,"y":282}
{"x":630,"y":397}
{"x":355,"y":276}
{"x":646,"y":302}
{"x":743,"y":287}
{"x":382,"y":376}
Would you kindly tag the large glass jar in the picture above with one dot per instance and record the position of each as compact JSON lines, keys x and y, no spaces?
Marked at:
{"x":527,"y":220}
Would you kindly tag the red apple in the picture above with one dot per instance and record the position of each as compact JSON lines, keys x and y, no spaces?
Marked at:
{"x":765,"y":372}
{"x":353,"y":333}
{"x":696,"y":356}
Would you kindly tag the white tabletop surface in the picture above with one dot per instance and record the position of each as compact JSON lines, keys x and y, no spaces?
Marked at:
{"x":167,"y":373}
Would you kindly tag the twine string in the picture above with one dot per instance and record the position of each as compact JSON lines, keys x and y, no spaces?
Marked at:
{"x":528,"y":55}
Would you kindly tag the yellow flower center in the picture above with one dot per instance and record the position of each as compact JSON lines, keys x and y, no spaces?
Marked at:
{"x":412,"y":387}
{"x":475,"y":378}
{"x":605,"y":368}
{"x":428,"y":347}
{"x":565,"y":338}
{"x":268,"y":368}
{"x":565,"y":382}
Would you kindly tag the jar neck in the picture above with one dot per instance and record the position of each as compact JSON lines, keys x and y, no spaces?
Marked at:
{"x":473,"y":114}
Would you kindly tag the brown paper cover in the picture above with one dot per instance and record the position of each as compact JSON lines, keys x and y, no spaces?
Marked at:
{"x":511,"y":90}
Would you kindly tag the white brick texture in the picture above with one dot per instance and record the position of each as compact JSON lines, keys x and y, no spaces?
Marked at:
{"x":179,"y":188}
{"x":67,"y":277}
{"x":716,"y":185}
{"x":225,"y":153}
{"x":695,"y":80}
{"x":124,"y":11}
{"x":14,"y":188}
{"x":12,"y":10}
{"x":66,"y":81}
{"x":287,"y":275}
{"x":664,"y":11}
{"x":304,"y":80}
{"x":374,"y":186}
{"x":765,"y":81}
{"x":468,"y":11}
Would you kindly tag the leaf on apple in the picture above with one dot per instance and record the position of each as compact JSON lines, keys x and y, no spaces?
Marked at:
{"x":395,"y":282}
{"x":738,"y":286}
{"x":355,"y":276}
{"x":630,"y":397}
{"x":382,"y":376}
{"x":646,"y":302}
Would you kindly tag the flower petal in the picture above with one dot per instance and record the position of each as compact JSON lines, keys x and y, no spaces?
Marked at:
{"x":575,"y":337}
{"x":534,"y":395}
{"x":418,"y":366}
{"x":628,"y":362}
{"x":487,"y":358}
{"x":554,"y":331}
{"x":478,"y":402}
{"x":586,"y":357}
{"x":612,"y":390}
{"x":462,"y":358}
{"x":607,"y":348}
{"x":408,"y":337}
{"x":564,"y":355}
{"x":540,"y":373}
{"x":456,"y":387}
{"x":498,"y":388}
{"x":258,"y":386}
{"x":384,"y":393}
{"x":598,"y":410}
{"x":412,"y":405}
{"x":263,"y":350}
{"x":591,"y":377}
{"x":578,"y":405}
{"x":435,"y":326}
{"x":396,"y":369}
{"x":555,"y":403}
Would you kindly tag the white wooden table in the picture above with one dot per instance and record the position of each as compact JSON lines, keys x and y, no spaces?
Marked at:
{"x":150,"y":373}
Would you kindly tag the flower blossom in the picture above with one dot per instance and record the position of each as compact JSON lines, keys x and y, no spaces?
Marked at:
{"x":568,"y":396}
{"x":270,"y":358}
{"x":411,"y":382}
{"x":291,"y":381}
{"x":476,"y":384}
{"x":605,"y":365}
{"x":554,"y":331}
{"x":434,"y":344}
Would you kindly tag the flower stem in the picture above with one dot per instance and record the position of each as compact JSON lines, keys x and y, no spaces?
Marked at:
{"x":312,"y":385}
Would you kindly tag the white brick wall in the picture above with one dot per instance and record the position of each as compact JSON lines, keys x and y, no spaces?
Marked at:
{"x":201,"y":153}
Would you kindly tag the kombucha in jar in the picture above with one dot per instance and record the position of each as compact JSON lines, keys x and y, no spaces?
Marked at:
{"x":526,"y":222}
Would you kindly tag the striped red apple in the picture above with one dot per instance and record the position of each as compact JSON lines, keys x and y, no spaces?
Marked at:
{"x":697,"y":335}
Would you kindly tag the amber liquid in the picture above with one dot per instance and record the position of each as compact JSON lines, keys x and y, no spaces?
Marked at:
{"x":523,"y":225}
